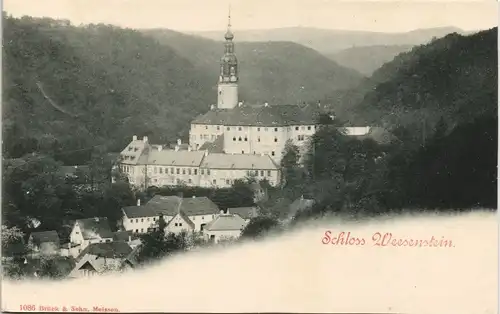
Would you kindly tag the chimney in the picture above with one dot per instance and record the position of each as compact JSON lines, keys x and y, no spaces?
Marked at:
{"x":134,"y":138}
{"x":138,"y":202}
{"x":179,"y":142}
{"x":206,"y":153}
{"x":160,"y":148}
{"x":189,"y":148}
{"x":222,"y":212}
{"x":129,"y":238}
{"x":145,"y":139}
{"x":240,"y":103}
{"x":212,"y":107}
{"x":176,"y":148}
{"x":96,"y":219}
{"x":227,"y":211}
{"x":266,"y":104}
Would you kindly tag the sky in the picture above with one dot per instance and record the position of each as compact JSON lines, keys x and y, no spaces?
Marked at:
{"x":206,"y":15}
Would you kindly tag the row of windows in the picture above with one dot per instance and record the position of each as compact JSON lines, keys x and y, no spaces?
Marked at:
{"x":142,"y":220}
{"x":246,"y":139}
{"x":256,"y":173}
{"x":173,"y":170}
{"x":205,"y":137}
{"x":127,"y":169}
{"x":239,"y":128}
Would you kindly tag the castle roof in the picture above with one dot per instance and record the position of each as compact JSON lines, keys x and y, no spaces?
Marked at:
{"x":172,"y":205}
{"x":267,"y":116}
{"x":238,"y":161}
{"x":174,"y":158}
{"x":226,"y":222}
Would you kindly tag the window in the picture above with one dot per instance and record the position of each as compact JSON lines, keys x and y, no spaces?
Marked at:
{"x":239,"y":128}
{"x":189,"y":171}
{"x":218,"y":128}
{"x":131,"y":221}
{"x":300,"y":137}
{"x":206,"y":127}
{"x":208,"y":171}
{"x":161,"y":170}
{"x":137,"y":220}
{"x":176,"y":224}
{"x":156,"y":170}
{"x":258,"y":129}
{"x":108,"y":240}
{"x":203,"y":217}
{"x":180,"y":224}
{"x":214,"y":181}
{"x":178,"y":171}
{"x":296,"y":128}
{"x":147,"y":219}
{"x":154,"y":218}
{"x":227,"y":181}
{"x":275,"y":129}
{"x":258,"y":139}
{"x":272,"y":153}
{"x":193,"y":218}
{"x":275,"y":139}
{"x":201,"y":136}
{"x":262,"y":173}
{"x":202,"y":171}
{"x":239,"y":139}
{"x":268,"y":173}
{"x":228,"y":128}
{"x":142,"y":230}
{"x":309,"y":128}
{"x":142,"y":219}
{"x":190,"y":181}
{"x":242,"y":151}
{"x":171,"y":170}
{"x":234,"y":139}
{"x":246,"y":139}
{"x":77,"y":232}
{"x":183,"y":171}
{"x":136,"y":230}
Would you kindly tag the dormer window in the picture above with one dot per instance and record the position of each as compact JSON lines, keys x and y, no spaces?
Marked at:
{"x":239,"y":128}
{"x":130,"y":148}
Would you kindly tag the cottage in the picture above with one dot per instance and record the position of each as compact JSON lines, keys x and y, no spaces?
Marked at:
{"x":200,"y":210}
{"x":127,"y":236}
{"x":225,"y":226}
{"x":98,"y":258}
{"x":44,"y":243}
{"x":180,"y":223}
{"x":139,"y":219}
{"x":90,"y":230}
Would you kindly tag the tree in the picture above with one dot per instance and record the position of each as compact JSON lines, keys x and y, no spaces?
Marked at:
{"x":260,"y":226}
{"x":289,"y":164}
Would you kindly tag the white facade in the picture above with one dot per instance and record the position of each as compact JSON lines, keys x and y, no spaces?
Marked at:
{"x":200,"y":221}
{"x":227,"y":95}
{"x":178,"y":224}
{"x":76,"y":237}
{"x":218,"y":235}
{"x":139,"y":224}
{"x":199,"y":134}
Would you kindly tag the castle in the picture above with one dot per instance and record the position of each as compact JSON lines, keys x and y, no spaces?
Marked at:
{"x":231,"y":141}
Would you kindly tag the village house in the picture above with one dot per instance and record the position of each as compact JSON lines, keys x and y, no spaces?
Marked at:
{"x":90,"y":230}
{"x":98,"y":258}
{"x":44,"y":243}
{"x":224,"y":227}
{"x":180,"y":223}
{"x":199,"y":210}
{"x":139,"y":219}
{"x":128,"y":237}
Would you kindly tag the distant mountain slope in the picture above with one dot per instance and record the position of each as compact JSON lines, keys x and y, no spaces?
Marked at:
{"x":455,"y":77}
{"x":328,"y":41}
{"x":367,"y":59}
{"x":277,"y":72}
{"x":71,"y":87}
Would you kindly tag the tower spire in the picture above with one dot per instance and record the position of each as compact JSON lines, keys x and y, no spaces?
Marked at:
{"x":229,"y":18}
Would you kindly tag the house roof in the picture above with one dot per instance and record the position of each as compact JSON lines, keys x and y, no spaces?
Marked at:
{"x":45,"y":237}
{"x":167,"y":157}
{"x":214,"y":117}
{"x":171,"y":205}
{"x":184,"y":217}
{"x":139,"y":211}
{"x":97,"y":227}
{"x":226,"y":222}
{"x":244,"y":212}
{"x":216,"y":146}
{"x":123,"y":235}
{"x":239,"y":161}
{"x":132,"y":153}
{"x":116,"y":249}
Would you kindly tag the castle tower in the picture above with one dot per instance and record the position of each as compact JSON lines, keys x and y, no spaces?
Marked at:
{"x":227,"y":90}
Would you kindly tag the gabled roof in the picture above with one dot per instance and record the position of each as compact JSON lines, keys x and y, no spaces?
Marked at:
{"x":97,"y":227}
{"x":239,"y":161}
{"x":117,"y":249}
{"x":244,"y":212}
{"x":184,"y":217}
{"x":134,"y":150}
{"x":171,"y":205}
{"x":139,"y":211}
{"x":45,"y":237}
{"x":123,"y":235}
{"x":226,"y":222}
{"x":168,"y":157}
